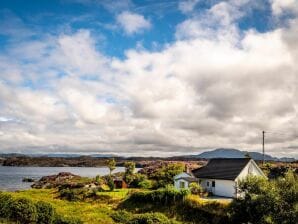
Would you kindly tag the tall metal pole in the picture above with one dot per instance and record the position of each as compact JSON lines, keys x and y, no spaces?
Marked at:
{"x":263,"y":147}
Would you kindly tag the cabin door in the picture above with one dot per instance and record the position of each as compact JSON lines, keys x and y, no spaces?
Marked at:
{"x":213,"y":186}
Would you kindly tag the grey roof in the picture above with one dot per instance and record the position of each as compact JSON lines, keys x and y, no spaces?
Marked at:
{"x":224,"y":169}
{"x":188,"y":179}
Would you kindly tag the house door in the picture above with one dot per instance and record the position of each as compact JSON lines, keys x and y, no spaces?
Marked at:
{"x":213,"y":186}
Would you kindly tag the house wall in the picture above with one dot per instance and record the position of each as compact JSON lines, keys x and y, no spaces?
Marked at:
{"x":177,"y":183}
{"x":250,"y":169}
{"x":223,"y":188}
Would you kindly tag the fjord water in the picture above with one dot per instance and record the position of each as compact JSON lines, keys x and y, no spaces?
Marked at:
{"x":11,"y":177}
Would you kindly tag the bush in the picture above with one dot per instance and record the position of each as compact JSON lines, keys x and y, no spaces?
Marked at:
{"x":145,"y":184}
{"x":23,"y":211}
{"x":146,"y":218}
{"x":164,"y":196}
{"x":45,"y":213}
{"x":68,"y":194}
{"x":196,"y":189}
{"x":122,"y":216}
{"x":63,"y":220}
{"x":151,"y":218}
{"x":5,"y":205}
{"x":194,"y":210}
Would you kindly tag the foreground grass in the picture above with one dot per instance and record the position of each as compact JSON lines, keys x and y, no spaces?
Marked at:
{"x":100,"y":210}
{"x":88,"y":212}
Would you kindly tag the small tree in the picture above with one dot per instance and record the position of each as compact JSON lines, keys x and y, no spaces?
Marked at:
{"x":110,"y":183}
{"x":111,"y":164}
{"x":129,"y":172}
{"x":129,"y":168}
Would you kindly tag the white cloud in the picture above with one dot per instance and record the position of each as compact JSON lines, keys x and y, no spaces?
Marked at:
{"x":280,"y":6}
{"x":132,"y":22}
{"x":215,"y":86}
{"x":187,"y":6}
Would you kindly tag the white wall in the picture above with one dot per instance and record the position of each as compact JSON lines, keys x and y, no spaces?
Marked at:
{"x":177,"y":183}
{"x":250,"y":169}
{"x":223,"y":188}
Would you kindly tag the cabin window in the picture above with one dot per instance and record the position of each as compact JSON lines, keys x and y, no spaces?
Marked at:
{"x":182,"y":184}
{"x":213,"y":183}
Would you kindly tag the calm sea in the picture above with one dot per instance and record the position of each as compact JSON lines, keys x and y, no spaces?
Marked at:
{"x":11,"y":177}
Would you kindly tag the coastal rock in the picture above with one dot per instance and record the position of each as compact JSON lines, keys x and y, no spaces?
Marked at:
{"x":28,"y":179}
{"x":53,"y":181}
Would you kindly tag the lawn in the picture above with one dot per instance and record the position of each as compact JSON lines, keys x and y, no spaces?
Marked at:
{"x":88,"y":212}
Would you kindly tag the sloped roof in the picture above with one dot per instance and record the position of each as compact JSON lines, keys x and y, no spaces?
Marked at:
{"x":188,"y":179}
{"x":224,"y":169}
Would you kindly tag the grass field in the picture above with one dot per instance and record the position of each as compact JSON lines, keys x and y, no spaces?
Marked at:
{"x":88,"y":212}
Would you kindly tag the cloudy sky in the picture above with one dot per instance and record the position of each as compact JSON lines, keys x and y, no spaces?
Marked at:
{"x":151,"y":78}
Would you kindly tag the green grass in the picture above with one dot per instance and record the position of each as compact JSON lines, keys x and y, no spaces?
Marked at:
{"x":101,"y":209}
{"x":88,"y":212}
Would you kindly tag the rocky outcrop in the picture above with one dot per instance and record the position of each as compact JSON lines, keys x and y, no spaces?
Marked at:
{"x":61,"y":179}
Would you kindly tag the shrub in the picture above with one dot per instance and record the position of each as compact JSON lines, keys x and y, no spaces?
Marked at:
{"x":145,"y":184}
{"x":68,"y":194}
{"x":122,"y":216}
{"x":164,"y":196}
{"x":145,"y":218}
{"x":196,"y":188}
{"x":79,"y":194}
{"x":23,"y":211}
{"x":63,"y":220}
{"x":5,"y":205}
{"x":194,"y":210}
{"x":45,"y":213}
{"x":151,"y":218}
{"x":137,"y":179}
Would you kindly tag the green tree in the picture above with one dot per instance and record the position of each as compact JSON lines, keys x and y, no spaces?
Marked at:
{"x":164,"y":175}
{"x":129,"y":172}
{"x":267,"y":202}
{"x":111,"y":164}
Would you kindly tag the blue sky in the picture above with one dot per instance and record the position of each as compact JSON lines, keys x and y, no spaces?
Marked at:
{"x":146,"y":77}
{"x":53,"y":17}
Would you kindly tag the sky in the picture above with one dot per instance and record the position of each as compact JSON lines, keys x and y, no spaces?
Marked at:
{"x":148,"y":78}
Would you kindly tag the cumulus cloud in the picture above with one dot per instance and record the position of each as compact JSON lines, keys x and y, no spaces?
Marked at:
{"x":132,"y":22}
{"x":214,"y":86}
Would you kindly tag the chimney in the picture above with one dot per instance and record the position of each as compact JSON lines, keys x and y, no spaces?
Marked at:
{"x":187,"y":170}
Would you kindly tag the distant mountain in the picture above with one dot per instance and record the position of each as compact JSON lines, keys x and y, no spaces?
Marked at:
{"x":55,"y":155}
{"x":235,"y":153}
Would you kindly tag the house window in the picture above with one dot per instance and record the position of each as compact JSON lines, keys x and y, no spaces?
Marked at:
{"x":181,"y":184}
{"x":213,"y":183}
{"x":207,"y":183}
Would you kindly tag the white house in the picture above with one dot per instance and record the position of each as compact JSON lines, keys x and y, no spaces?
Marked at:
{"x":220,"y":176}
{"x":183,"y":180}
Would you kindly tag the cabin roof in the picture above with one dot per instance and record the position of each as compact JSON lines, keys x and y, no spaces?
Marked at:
{"x":224,"y":169}
{"x":188,"y":179}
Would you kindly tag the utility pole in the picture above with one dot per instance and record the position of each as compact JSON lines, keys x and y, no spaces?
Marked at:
{"x":263,"y":147}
